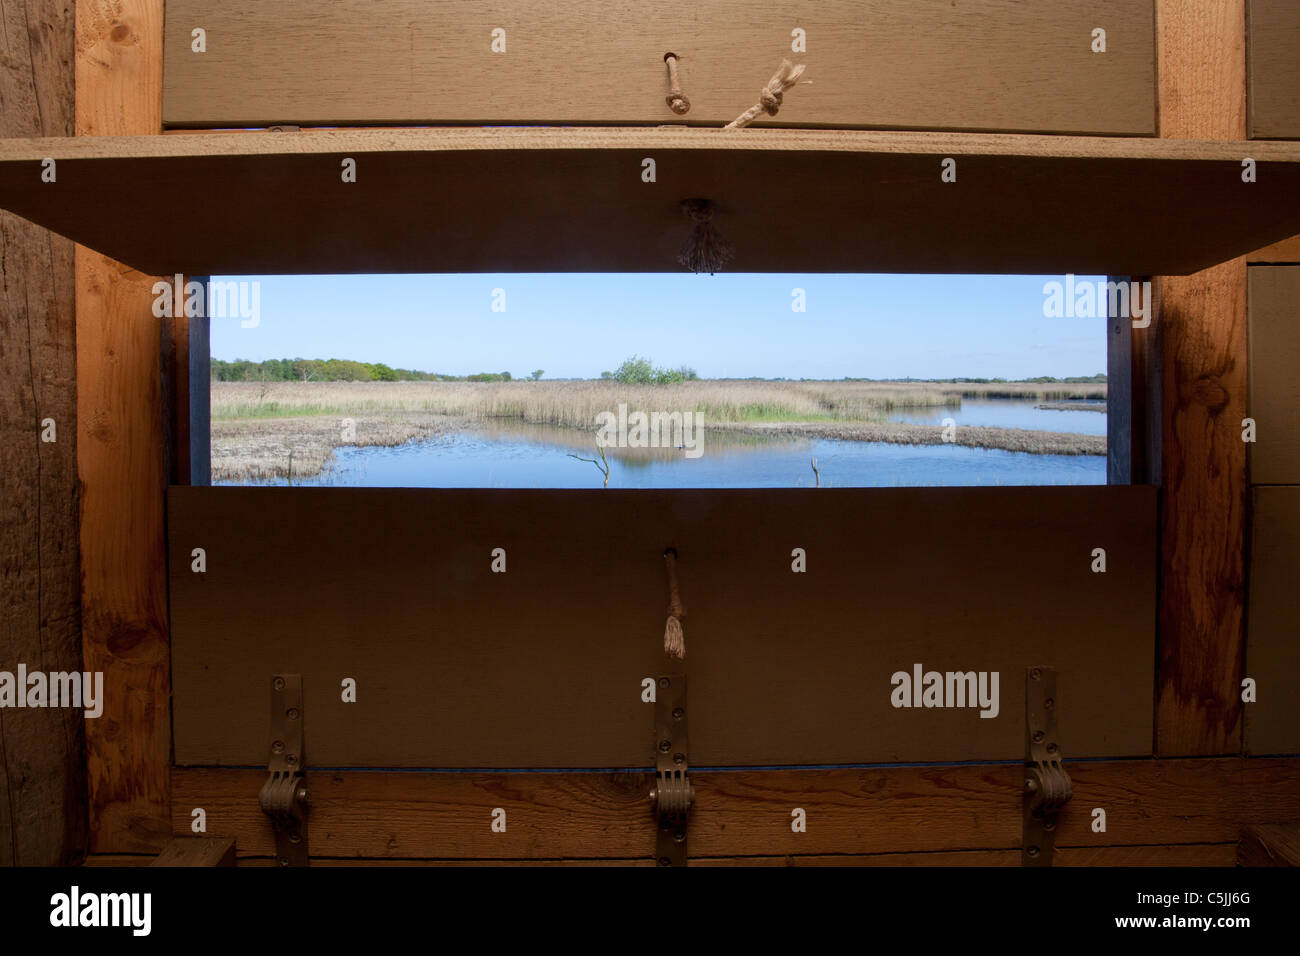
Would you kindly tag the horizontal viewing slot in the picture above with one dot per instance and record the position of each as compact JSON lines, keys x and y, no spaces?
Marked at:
{"x":514,"y":628}
{"x":772,"y":381}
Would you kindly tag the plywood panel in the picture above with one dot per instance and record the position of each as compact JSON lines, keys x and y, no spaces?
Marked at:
{"x":747,"y":813}
{"x":1273,"y":642}
{"x":524,"y":200}
{"x":987,"y":64}
{"x":1274,"y":58}
{"x":541,"y":666}
{"x":1274,"y":337}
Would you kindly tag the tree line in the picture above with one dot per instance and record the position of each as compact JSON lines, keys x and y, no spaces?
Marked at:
{"x":333,"y":370}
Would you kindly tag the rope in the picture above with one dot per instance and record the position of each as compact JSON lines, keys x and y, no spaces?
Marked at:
{"x":705,"y":249}
{"x":769,"y":101}
{"x":674,"y":639}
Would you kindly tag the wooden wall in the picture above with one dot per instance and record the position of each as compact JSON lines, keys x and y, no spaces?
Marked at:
{"x":42,"y":763}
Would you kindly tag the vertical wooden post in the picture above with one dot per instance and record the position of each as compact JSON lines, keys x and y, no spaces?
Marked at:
{"x":42,"y":762}
{"x":1202,"y":356}
{"x":121,"y":448}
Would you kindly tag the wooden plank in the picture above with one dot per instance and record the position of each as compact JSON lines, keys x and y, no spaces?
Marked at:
{"x":1274,"y":59}
{"x":747,"y":813}
{"x":1270,"y":845}
{"x":503,"y":200}
{"x":541,"y":667}
{"x":120,"y":456}
{"x":42,"y":770}
{"x":1196,"y":854}
{"x":1273,"y":645}
{"x":988,"y":64}
{"x":1274,"y":338}
{"x":1201,"y":336}
{"x":197,"y":851}
{"x":1284,"y":252}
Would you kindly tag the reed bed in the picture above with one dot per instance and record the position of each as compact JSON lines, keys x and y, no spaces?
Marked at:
{"x":576,"y":404}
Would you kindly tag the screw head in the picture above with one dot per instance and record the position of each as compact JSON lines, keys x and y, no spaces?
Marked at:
{"x":1038,"y":736}
{"x":1052,"y":748}
{"x":679,"y":836}
{"x":664,"y":682}
{"x":278,"y":683}
{"x":1049,"y":703}
{"x":1032,"y":851}
{"x":277,"y":746}
{"x":1035,"y":673}
{"x":678,"y":713}
{"x":664,"y":861}
{"x":665,"y":746}
{"x":291,"y":760}
{"x":292,"y":713}
{"x":679,"y":758}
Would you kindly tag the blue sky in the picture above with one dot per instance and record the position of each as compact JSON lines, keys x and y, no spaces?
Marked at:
{"x":727,"y":325}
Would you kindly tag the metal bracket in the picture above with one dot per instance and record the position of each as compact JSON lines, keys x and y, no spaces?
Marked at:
{"x":672,"y":794}
{"x":1047,"y":785}
{"x":284,"y":795}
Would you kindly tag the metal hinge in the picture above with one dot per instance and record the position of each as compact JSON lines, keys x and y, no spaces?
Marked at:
{"x":672,"y":794}
{"x":1047,"y":785}
{"x":283,"y":128}
{"x":284,"y":795}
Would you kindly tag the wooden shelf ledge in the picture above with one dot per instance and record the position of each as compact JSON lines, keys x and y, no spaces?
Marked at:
{"x":574,"y":200}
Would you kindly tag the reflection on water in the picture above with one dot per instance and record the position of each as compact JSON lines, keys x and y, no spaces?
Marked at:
{"x":538,"y":457}
{"x":1010,"y":414}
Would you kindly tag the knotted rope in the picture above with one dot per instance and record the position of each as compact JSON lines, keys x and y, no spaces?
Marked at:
{"x":704,"y":250}
{"x":769,"y":101}
{"x":674,"y":639}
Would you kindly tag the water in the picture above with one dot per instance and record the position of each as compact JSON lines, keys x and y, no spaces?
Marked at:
{"x":1009,"y":414}
{"x":511,"y":455}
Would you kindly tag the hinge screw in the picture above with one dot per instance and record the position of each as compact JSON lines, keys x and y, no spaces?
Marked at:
{"x":663,"y":682}
{"x":277,"y":747}
{"x":665,"y":746}
{"x":1032,"y":851}
{"x":679,"y":758}
{"x":278,"y":683}
{"x":678,"y":713}
{"x":1038,"y":736}
{"x":292,"y":713}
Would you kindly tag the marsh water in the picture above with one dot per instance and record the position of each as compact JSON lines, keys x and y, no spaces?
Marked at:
{"x":514,"y":455}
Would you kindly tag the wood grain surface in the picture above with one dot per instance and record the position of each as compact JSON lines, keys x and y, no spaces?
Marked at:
{"x":1200,"y":333}
{"x":542,"y":666}
{"x":985,"y":64}
{"x":560,"y":200}
{"x":850,"y":812}
{"x":42,"y":766}
{"x":120,"y":444}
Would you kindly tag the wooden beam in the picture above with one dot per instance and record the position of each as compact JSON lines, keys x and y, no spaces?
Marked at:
{"x":1270,"y":844}
{"x":1285,"y":252}
{"x":42,"y":767}
{"x":1202,"y":340}
{"x":492,"y":200}
{"x":591,"y":816}
{"x":120,"y":457}
{"x":987,"y":64}
{"x":1193,"y":854}
{"x":198,"y":852}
